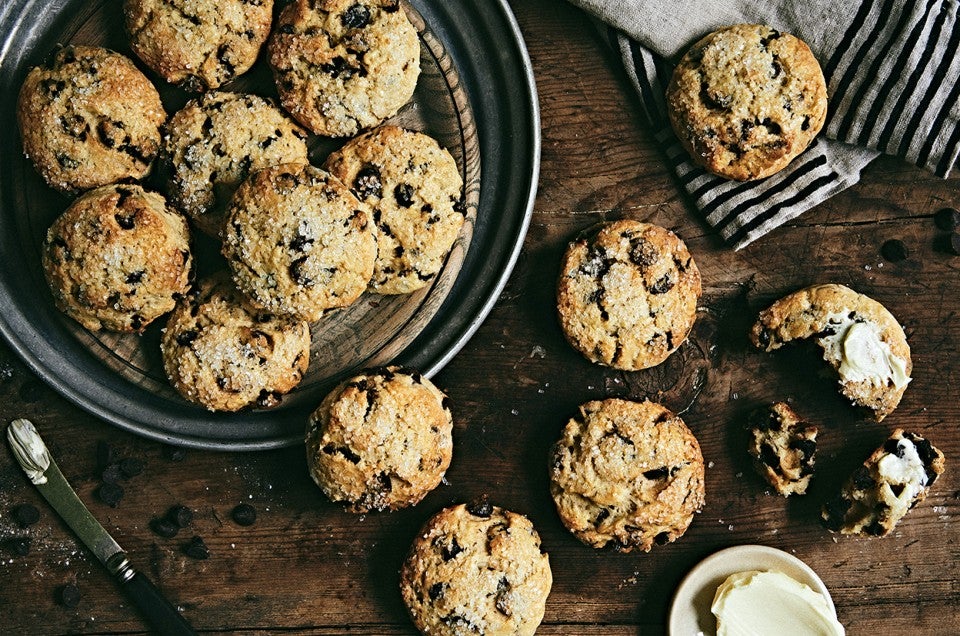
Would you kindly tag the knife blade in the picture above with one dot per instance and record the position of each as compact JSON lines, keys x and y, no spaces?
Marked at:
{"x":35,"y":460}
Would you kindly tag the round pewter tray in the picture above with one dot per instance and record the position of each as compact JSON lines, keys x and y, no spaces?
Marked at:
{"x":475,"y":95}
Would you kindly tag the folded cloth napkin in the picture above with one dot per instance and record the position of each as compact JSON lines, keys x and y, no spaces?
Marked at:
{"x":893,"y":80}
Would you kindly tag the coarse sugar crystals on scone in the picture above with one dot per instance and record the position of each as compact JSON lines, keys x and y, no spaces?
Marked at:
{"x":895,"y":478}
{"x":89,"y":117}
{"x":117,"y":258}
{"x":476,"y":569}
{"x":746,"y":99}
{"x":381,"y":440}
{"x":341,"y":65}
{"x":782,"y":447}
{"x":415,"y":191}
{"x":214,"y":142}
{"x":627,"y":474}
{"x":222,"y":353}
{"x":859,"y":337}
{"x":298,"y":242}
{"x":627,"y":294}
{"x":198,"y":44}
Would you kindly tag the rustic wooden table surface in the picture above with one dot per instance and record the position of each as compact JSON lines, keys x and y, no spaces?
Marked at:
{"x":306,"y":566}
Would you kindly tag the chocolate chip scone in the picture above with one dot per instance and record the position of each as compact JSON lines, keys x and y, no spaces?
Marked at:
{"x":745,"y":100}
{"x":88,"y":118}
{"x":198,"y":44}
{"x":341,"y":65}
{"x":223,"y":354}
{"x":381,"y":440}
{"x":415,"y":191}
{"x":214,"y":142}
{"x":859,"y":337}
{"x":627,"y":294}
{"x":476,"y":569}
{"x":298,"y":242}
{"x":117,"y":258}
{"x":782,"y":447}
{"x":628,"y":474}
{"x":895,"y":478}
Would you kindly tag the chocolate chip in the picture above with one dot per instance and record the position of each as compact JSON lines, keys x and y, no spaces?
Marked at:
{"x":367,"y":183}
{"x":67,"y":162}
{"x":164,"y":527}
{"x":180,"y":515}
{"x":894,"y":250}
{"x":834,"y":511}
{"x":244,"y":515}
{"x":131,"y":467}
{"x":862,"y":479}
{"x":286,"y":29}
{"x":68,"y":595}
{"x":26,"y":515}
{"x":268,"y":399}
{"x":765,"y":42}
{"x":53,"y":87}
{"x":662,"y":538}
{"x":764,"y":338}
{"x":339,"y":66}
{"x":111,"y":474}
{"x":947,"y":219}
{"x":663,"y":285}
{"x":657,"y":473}
{"x":772,"y":127}
{"x":186,"y":337}
{"x":775,"y":69}
{"x":110,"y":494}
{"x":403,"y":193}
{"x":480,"y":507}
{"x":135,"y":277}
{"x":300,"y":242}
{"x":19,"y":546}
{"x":196,"y":549}
{"x":125,"y":221}
{"x":893,"y":447}
{"x":642,"y":252}
{"x":298,"y":274}
{"x":451,"y":550}
{"x":714,"y":100}
{"x":874,"y":529}
{"x":953,"y":244}
{"x":601,"y":516}
{"x":806,"y":447}
{"x":768,"y":455}
{"x":350,"y":456}
{"x":355,"y":17}
{"x":805,"y":124}
{"x":502,"y":600}
{"x":136,"y":322}
{"x":435,"y":591}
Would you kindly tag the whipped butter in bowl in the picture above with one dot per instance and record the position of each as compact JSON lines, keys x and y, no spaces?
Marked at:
{"x":752,"y":589}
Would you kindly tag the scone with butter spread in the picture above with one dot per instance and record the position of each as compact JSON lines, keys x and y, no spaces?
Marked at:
{"x":859,"y":338}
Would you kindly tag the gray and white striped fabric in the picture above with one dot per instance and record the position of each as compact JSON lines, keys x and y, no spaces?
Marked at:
{"x":893,"y":79}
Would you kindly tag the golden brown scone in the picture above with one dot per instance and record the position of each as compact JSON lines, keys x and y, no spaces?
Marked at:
{"x":628,"y":474}
{"x":782,"y":447}
{"x":745,"y":100}
{"x":89,"y":118}
{"x":859,"y":337}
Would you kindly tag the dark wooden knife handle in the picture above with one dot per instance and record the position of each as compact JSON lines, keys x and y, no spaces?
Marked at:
{"x":161,"y":616}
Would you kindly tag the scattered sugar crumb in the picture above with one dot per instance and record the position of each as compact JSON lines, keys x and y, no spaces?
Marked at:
{"x":710,"y":464}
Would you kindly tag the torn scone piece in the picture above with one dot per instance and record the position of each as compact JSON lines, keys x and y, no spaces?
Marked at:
{"x":859,"y":337}
{"x":782,"y":447}
{"x":893,"y":480}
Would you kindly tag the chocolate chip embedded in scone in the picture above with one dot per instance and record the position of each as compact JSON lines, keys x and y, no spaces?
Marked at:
{"x":381,"y":440}
{"x":895,"y":478}
{"x":746,"y":99}
{"x":117,"y":258}
{"x":782,"y":447}
{"x":414,"y":188}
{"x":214,"y":142}
{"x":198,"y":44}
{"x":89,"y":118}
{"x":298,"y":242}
{"x":476,"y":570}
{"x":626,"y":474}
{"x":223,"y":354}
{"x":627,"y":295}
{"x":341,"y":66}
{"x":859,"y":337}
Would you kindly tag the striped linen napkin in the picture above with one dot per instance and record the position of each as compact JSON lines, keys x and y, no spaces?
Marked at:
{"x":893,"y":80}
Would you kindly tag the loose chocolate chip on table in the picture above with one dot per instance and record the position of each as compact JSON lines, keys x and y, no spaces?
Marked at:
{"x":164,"y":527}
{"x":180,"y":515}
{"x":894,"y":250}
{"x":111,"y":474}
{"x":196,"y":549}
{"x":69,"y":595}
{"x":110,"y":494}
{"x":131,"y":467}
{"x":947,"y":219}
{"x":244,"y":515}
{"x":26,"y":515}
{"x":20,"y":546}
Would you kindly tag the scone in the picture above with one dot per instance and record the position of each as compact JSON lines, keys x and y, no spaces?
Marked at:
{"x":223,"y":354}
{"x":626,"y":474}
{"x":745,"y":100}
{"x":627,"y":294}
{"x":117,"y":258}
{"x":380,"y":441}
{"x":198,"y":44}
{"x":89,"y":118}
{"x":214,"y":142}
{"x":342,"y":66}
{"x":859,"y":337}
{"x":414,"y":188}
{"x":298,"y":242}
{"x":895,"y":478}
{"x":782,"y":447}
{"x":476,"y":569}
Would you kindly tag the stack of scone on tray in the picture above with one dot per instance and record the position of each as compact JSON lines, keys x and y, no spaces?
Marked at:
{"x":299,"y":241}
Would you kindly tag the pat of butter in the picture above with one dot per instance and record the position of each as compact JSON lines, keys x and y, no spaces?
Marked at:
{"x":860,"y":354}
{"x":755,"y":603}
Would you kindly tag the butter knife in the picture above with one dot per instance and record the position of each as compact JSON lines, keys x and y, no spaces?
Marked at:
{"x":33,"y":456}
